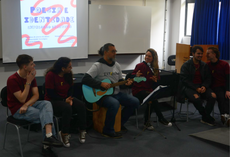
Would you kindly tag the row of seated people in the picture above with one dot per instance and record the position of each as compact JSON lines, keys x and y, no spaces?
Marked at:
{"x":209,"y":81}
{"x":22,"y":94}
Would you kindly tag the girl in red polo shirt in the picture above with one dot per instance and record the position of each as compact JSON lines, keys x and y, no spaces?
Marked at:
{"x":149,"y":70}
{"x":58,"y":90}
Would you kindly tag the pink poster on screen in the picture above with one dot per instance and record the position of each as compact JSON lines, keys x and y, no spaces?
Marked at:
{"x":48,"y":23}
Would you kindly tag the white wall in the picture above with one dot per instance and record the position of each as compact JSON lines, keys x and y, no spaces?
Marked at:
{"x":172,"y":28}
{"x":127,"y":61}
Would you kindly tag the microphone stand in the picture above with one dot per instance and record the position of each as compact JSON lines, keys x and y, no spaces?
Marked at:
{"x":173,"y":120}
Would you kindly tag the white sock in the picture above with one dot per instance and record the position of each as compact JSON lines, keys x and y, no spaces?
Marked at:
{"x":49,"y":135}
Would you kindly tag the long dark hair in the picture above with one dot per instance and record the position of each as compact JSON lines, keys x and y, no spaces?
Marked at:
{"x":62,"y":62}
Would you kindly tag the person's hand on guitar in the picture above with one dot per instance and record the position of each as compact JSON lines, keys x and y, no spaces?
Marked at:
{"x":105,"y":85}
{"x":69,"y":100}
{"x":129,"y":82}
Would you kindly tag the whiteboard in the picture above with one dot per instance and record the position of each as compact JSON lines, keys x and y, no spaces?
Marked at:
{"x":127,"y":27}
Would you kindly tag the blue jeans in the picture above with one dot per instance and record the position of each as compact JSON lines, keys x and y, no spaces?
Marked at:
{"x":112,"y":103}
{"x":40,"y":112}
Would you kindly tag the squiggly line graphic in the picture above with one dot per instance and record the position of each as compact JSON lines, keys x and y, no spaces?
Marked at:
{"x":31,"y":44}
{"x":59,"y":25}
{"x":73,"y":5}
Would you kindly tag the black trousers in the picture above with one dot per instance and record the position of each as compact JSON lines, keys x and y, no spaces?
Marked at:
{"x":153,"y":106}
{"x":223,"y":103}
{"x":65,"y":110}
{"x":198,"y":101}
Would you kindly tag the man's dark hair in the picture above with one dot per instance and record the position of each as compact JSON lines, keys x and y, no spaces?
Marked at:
{"x":194,"y":48}
{"x":104,"y":48}
{"x":216,"y":51}
{"x":23,"y":59}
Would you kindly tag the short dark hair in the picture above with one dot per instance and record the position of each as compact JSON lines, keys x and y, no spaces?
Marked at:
{"x":194,"y":48}
{"x":216,"y":51}
{"x":23,"y":59}
{"x":104,"y":48}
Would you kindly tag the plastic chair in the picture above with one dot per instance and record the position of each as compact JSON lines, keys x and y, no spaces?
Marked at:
{"x":187,"y":111}
{"x":12,"y":121}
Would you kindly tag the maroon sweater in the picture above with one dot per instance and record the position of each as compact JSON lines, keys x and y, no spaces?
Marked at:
{"x":14,"y":84}
{"x":60,"y":86}
{"x":220,"y":73}
{"x":147,"y":73}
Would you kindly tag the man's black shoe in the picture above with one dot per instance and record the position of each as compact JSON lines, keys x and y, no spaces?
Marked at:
{"x":123,"y":128}
{"x":208,"y":121}
{"x":211,"y":118}
{"x":48,"y":152}
{"x":112,"y":135}
{"x":52,"y":141}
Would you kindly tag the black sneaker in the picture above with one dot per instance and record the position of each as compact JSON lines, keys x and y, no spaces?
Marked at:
{"x":164,"y":122}
{"x":52,"y":141}
{"x":211,"y":118}
{"x":208,"y":121}
{"x":112,"y":135}
{"x":48,"y":152}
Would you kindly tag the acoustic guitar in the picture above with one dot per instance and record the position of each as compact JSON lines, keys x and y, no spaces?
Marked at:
{"x":93,"y":95}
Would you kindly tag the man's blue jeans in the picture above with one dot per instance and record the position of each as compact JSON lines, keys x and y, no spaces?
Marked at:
{"x":112,"y":103}
{"x":39,"y":112}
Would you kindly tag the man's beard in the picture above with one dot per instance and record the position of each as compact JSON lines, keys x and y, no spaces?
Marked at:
{"x":197,"y":59}
{"x":112,"y":59}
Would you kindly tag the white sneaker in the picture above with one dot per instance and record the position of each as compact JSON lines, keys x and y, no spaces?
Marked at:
{"x":165,"y":122}
{"x":82,"y":136}
{"x":149,"y":126}
{"x":65,"y":139}
{"x":169,"y":124}
{"x":225,"y":119}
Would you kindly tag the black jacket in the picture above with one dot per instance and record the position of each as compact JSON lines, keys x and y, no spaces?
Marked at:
{"x":187,"y":74}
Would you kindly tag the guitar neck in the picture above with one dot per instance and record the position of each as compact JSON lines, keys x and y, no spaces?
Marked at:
{"x":118,"y":83}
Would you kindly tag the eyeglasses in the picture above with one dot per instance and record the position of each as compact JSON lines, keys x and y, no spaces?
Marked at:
{"x":113,"y":51}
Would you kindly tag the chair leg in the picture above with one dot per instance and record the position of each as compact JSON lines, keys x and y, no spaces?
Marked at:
{"x":4,"y":140}
{"x":28,"y":134}
{"x":19,"y":140}
{"x":57,"y":128}
{"x":157,"y":120}
{"x":180,"y":107}
{"x":187,"y":111}
{"x":136,"y":118}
